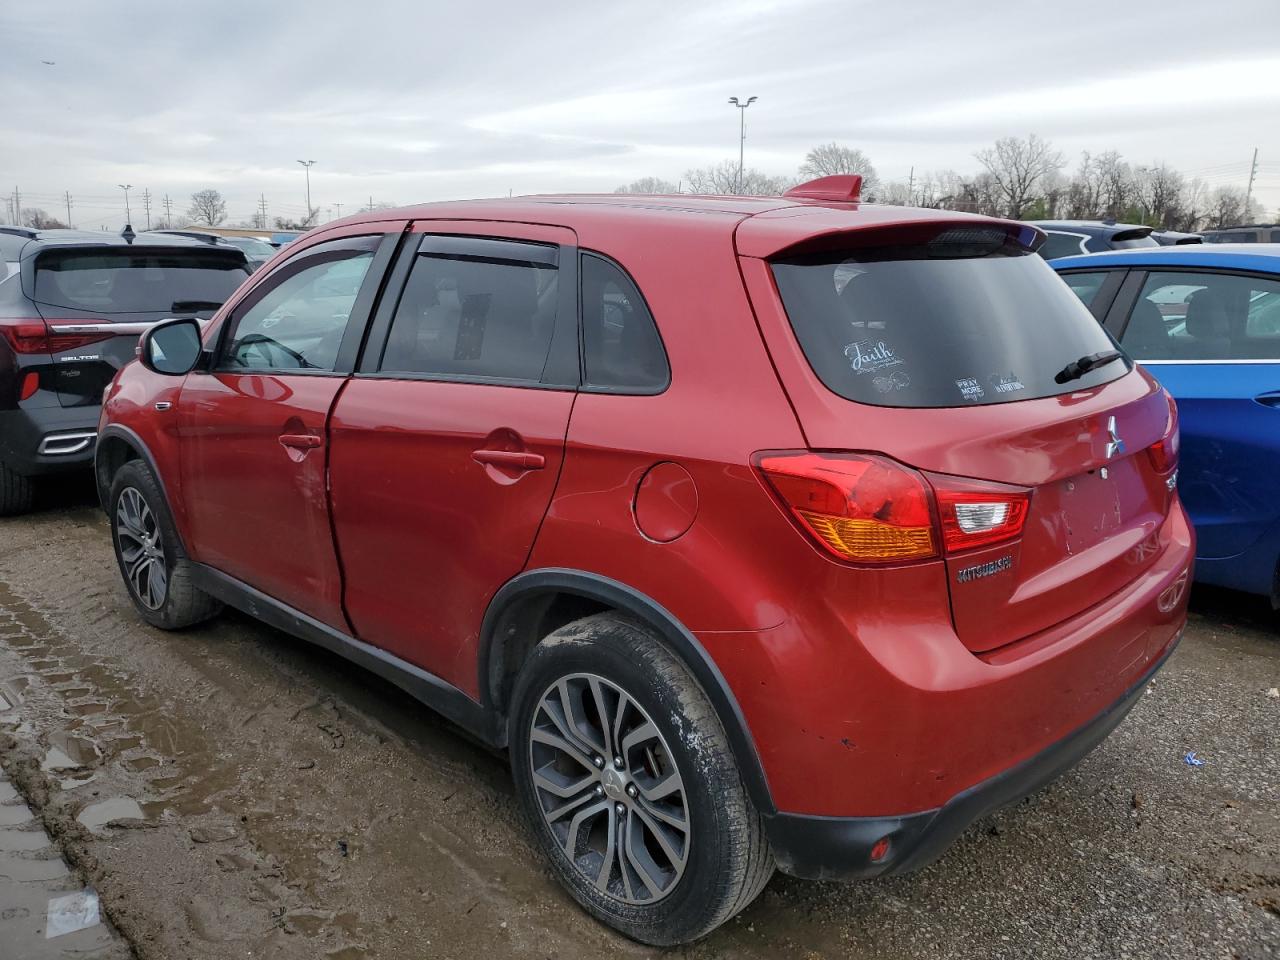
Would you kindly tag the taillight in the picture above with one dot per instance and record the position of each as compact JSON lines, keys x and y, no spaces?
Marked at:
{"x":25,"y":336}
{"x":978,"y":513}
{"x":858,"y":507}
{"x":867,"y":508}
{"x":35,"y":336}
{"x":1164,"y":452}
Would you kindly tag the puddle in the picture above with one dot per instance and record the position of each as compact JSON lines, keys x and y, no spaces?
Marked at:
{"x":76,"y":911}
{"x":99,"y":814}
{"x":12,"y":691}
{"x":68,"y":752}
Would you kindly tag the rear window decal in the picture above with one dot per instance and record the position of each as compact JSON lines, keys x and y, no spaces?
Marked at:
{"x":897,"y":380}
{"x":1006,"y":383}
{"x":970,"y":389}
{"x":867,"y":356}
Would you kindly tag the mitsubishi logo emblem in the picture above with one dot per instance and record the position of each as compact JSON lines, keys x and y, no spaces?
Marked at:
{"x":1114,"y":444}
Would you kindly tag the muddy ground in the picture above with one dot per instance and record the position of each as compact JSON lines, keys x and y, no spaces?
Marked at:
{"x":232,"y":792}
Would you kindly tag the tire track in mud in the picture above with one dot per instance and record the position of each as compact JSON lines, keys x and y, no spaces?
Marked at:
{"x":274,"y":812}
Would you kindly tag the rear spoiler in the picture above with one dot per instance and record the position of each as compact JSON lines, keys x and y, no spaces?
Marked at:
{"x":1132,"y":233}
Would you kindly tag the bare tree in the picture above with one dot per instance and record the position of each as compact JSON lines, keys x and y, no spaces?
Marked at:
{"x":207,"y":207}
{"x":1227,"y":208}
{"x":649,"y":185}
{"x":40,"y":220}
{"x":722,"y":179}
{"x":830,"y":159}
{"x":1019,"y":169}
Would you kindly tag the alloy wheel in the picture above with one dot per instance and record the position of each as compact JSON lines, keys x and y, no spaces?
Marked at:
{"x":609,"y":790}
{"x":141,"y":548}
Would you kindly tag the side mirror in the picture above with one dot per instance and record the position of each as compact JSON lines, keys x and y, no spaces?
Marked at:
{"x":171,"y":348}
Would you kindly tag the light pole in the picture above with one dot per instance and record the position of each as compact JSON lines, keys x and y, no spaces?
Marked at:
{"x":126,"y":187}
{"x":742,"y":133}
{"x":306,"y":164}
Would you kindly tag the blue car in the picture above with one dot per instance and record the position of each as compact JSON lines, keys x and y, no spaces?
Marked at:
{"x":1205,"y":320}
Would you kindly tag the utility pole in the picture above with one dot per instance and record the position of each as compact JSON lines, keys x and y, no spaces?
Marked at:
{"x":337,"y":206}
{"x":126,"y":187}
{"x":911,"y":187}
{"x":146,"y":205}
{"x":307,"y":164}
{"x":371,"y":203}
{"x":67,"y":197}
{"x":17,"y":207}
{"x":742,"y":134}
{"x":168,"y":212}
{"x":262,"y":210}
{"x":1253,"y":172}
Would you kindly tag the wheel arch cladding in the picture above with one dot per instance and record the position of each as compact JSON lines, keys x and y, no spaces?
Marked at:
{"x":537,"y":602}
{"x":117,"y":441}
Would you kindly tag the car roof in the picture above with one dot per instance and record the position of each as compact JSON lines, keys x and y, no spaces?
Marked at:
{"x":763,"y":225}
{"x":1264,"y":257}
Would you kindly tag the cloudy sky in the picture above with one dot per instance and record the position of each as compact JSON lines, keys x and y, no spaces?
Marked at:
{"x":415,"y":101}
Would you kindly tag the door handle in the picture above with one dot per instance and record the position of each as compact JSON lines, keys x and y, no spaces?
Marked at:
{"x":518,"y":459}
{"x":300,"y":441}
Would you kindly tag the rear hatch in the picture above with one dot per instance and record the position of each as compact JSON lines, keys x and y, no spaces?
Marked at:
{"x":952,"y":352}
{"x":97,"y":299}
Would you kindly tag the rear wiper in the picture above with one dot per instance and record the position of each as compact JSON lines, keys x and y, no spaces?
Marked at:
{"x":186,"y":306}
{"x":1078,"y":368}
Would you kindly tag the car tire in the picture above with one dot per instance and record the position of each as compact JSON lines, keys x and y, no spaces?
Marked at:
{"x":152,"y":562}
{"x":16,"y":492}
{"x":625,"y":816}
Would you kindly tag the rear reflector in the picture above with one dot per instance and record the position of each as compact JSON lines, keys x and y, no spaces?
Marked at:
{"x":977,"y":513}
{"x":857,"y":507}
{"x":30,"y":384}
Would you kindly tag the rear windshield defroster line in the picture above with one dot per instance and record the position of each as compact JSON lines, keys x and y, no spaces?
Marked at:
{"x":904,"y":327}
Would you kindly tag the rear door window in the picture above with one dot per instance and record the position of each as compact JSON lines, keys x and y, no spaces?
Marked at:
{"x":921,"y":327}
{"x":476,"y":308}
{"x":133,"y":280}
{"x":1205,"y":316}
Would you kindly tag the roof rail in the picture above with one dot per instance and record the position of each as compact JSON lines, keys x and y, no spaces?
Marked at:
{"x":843,"y":187}
{"x":16,"y":231}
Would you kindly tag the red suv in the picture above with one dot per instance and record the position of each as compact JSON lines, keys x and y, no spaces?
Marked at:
{"x":788,"y":532}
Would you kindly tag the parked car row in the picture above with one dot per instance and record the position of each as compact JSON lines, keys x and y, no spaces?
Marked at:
{"x":762,"y":532}
{"x":72,"y":305}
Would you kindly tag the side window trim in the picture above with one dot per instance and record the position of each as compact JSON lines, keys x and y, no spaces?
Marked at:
{"x":356,"y":323}
{"x":582,"y":345}
{"x":561,"y":370}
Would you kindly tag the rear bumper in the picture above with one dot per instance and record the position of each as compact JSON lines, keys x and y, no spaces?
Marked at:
{"x":839,"y":848}
{"x":42,"y":440}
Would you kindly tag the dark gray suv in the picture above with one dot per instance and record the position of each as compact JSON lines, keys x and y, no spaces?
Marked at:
{"x":72,"y":305}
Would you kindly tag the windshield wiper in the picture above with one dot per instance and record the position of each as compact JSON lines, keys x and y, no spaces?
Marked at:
{"x":1078,"y":368}
{"x":188,"y":306}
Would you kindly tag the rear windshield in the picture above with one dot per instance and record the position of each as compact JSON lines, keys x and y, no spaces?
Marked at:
{"x":900,"y":328}
{"x":137,"y":281}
